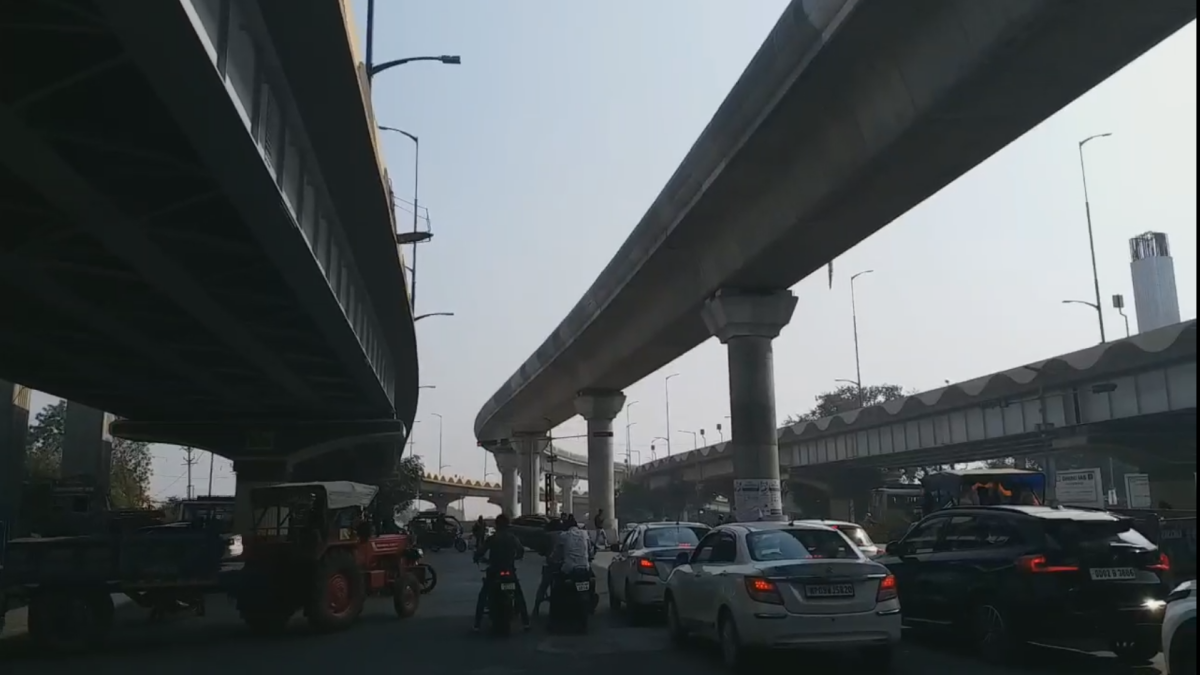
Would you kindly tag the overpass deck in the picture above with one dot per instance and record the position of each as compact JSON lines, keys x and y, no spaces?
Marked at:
{"x":1151,"y":376}
{"x":850,"y":114}
{"x":195,"y":240}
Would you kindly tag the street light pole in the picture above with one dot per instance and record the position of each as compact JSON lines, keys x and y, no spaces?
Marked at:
{"x":373,"y":70}
{"x":440,"y":420}
{"x":412,"y":289}
{"x":628,"y":436}
{"x":667,"y":398}
{"x":854,"y":320}
{"x":695,"y":444}
{"x":1087,"y":209}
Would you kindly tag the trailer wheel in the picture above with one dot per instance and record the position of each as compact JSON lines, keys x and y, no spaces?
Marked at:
{"x":338,"y":593}
{"x":406,"y":598}
{"x":69,"y":622}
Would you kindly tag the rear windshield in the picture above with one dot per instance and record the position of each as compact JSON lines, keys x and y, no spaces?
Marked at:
{"x":1081,"y":533}
{"x":855,"y":533}
{"x":664,"y":537}
{"x":770,"y":545}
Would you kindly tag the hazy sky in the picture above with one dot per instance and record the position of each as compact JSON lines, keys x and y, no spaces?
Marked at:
{"x":545,"y":147}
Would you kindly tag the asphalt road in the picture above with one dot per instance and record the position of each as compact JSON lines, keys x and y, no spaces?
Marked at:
{"x":439,"y":641}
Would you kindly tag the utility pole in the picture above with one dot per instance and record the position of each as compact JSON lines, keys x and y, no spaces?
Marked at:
{"x":211,"y":458}
{"x":189,"y":460}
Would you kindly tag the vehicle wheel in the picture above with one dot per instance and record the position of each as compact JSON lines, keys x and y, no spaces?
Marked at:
{"x":1182,"y":658}
{"x":460,"y":545}
{"x":634,"y":611}
{"x":429,"y":578}
{"x":338,"y":593}
{"x":406,"y":597}
{"x":992,"y":635}
{"x":732,"y":652}
{"x":1134,"y":652}
{"x":614,"y":603}
{"x":70,"y":622}
{"x":675,"y":628}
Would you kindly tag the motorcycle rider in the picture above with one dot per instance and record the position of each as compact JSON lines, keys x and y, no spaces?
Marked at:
{"x":552,"y":563}
{"x":574,"y":550}
{"x":503,"y":550}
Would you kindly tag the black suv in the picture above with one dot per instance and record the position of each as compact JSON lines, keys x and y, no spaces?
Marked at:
{"x":1008,"y":575}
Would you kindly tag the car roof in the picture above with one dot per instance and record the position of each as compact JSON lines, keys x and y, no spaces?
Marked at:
{"x":827,"y":521}
{"x":762,"y":526}
{"x":655,"y":526}
{"x":1042,"y":512}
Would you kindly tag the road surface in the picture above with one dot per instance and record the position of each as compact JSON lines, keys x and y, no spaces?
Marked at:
{"x":438,"y":641}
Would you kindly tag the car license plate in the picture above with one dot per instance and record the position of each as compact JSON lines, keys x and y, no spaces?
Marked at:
{"x":829,"y":591}
{"x":1113,"y":573}
{"x":582,"y":585}
{"x":508,"y":587}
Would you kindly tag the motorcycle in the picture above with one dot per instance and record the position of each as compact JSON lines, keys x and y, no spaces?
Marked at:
{"x":501,"y":603}
{"x":572,"y":601}
{"x":423,"y":571}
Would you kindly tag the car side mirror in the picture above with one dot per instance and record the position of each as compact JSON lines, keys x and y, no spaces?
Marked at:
{"x":682,"y":558}
{"x":615,"y":548}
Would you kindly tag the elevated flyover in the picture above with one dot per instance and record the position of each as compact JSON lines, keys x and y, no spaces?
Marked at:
{"x":1138,"y":393}
{"x":851,"y":113}
{"x":198,"y":235}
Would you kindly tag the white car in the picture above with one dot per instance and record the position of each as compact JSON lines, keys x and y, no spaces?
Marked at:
{"x":1179,"y":630}
{"x":853,"y":531}
{"x":783,"y":585}
{"x":644,"y":558}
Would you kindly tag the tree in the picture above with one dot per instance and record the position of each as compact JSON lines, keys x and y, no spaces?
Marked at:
{"x":400,"y":489}
{"x":130,"y":463}
{"x":846,"y":398}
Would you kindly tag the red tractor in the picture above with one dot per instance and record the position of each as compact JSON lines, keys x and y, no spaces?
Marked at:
{"x":315,"y":548}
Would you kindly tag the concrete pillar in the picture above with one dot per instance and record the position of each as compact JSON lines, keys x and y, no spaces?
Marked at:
{"x":14,"y":423}
{"x":566,"y":485}
{"x":252,"y":474}
{"x":507,"y":462}
{"x":87,"y":445}
{"x":529,"y":452}
{"x":440,"y":502}
{"x":599,"y":408}
{"x":746,"y":323}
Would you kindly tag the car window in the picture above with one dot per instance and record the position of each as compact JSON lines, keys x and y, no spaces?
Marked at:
{"x":1071,"y":534}
{"x":676,"y":537}
{"x":725,"y":549}
{"x":856,"y":534}
{"x":630,"y":539}
{"x":704,"y":550}
{"x":924,"y":536}
{"x":799,"y":544}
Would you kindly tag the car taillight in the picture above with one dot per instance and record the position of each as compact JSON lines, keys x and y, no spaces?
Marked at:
{"x":505,"y":573}
{"x":646,"y":566}
{"x":763,"y":590}
{"x":1036,"y":564}
{"x":887,"y":589}
{"x":1163,"y":564}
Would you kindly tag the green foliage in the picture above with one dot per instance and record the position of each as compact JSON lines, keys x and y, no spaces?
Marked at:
{"x":846,"y":398}
{"x":400,"y":489}
{"x":129,"y":478}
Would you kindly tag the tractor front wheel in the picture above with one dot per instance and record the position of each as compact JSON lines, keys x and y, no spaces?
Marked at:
{"x":339,"y":592}
{"x":406,"y":596}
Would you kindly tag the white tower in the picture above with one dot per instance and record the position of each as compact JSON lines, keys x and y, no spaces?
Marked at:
{"x":1154,"y":295}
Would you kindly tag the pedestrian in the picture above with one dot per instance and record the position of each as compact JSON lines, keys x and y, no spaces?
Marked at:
{"x":601,"y":534}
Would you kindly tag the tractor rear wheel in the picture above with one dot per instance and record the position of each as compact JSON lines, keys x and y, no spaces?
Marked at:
{"x":338,"y":593}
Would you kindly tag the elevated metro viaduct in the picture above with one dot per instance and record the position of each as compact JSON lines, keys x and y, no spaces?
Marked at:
{"x":851,"y":113}
{"x":198,"y":234}
{"x":1133,"y":400}
{"x":441,"y":491}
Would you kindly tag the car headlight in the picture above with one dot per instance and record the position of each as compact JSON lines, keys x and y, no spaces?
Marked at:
{"x":234,"y":548}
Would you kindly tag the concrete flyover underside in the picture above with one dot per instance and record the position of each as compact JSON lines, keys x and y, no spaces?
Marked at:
{"x":851,"y":114}
{"x":148,"y":264}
